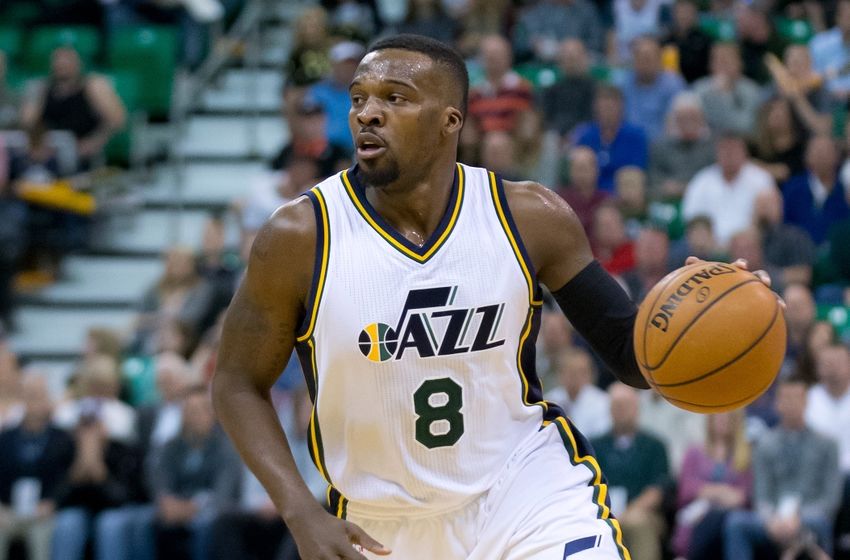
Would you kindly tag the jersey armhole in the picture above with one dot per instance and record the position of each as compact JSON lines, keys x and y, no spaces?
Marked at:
{"x":500,"y":202}
{"x":320,"y":265}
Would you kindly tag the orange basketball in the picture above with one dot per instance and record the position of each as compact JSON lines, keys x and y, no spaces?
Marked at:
{"x":710,"y":337}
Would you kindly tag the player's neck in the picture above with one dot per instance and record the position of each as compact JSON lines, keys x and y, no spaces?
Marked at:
{"x":414,"y":206}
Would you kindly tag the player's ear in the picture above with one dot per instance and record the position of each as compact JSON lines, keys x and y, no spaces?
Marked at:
{"x":452,"y":120}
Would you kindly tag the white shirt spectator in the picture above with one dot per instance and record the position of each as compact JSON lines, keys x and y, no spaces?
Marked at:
{"x":730,"y":204}
{"x":831,"y":417}
{"x":590,"y":411}
{"x":117,"y":417}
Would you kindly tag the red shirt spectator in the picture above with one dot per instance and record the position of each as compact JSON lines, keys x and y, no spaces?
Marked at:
{"x":614,"y":250}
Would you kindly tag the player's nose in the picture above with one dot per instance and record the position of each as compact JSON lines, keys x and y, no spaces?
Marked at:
{"x":371,"y":113}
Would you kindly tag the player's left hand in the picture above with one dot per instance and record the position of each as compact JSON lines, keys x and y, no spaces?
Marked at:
{"x":742,"y":264}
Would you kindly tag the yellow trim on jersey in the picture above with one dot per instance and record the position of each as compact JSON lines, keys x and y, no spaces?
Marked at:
{"x":393,"y":241}
{"x":525,"y":385}
{"x":320,"y":281}
{"x":590,"y":460}
{"x":526,"y":270}
{"x":314,"y":420}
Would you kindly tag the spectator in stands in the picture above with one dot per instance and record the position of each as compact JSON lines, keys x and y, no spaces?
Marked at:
{"x":273,"y":189}
{"x":617,"y":143}
{"x":630,"y":196}
{"x":729,"y":98}
{"x":757,"y":37}
{"x":499,"y":154}
{"x":352,"y":19}
{"x":12,"y":406}
{"x":555,"y":335}
{"x":821,"y":334}
{"x":678,"y":429}
{"x":106,"y":473}
{"x":715,"y":479}
{"x":128,"y":531}
{"x":569,"y":101}
{"x":502,"y":102}
{"x":9,"y":100}
{"x":800,"y":312}
{"x":726,"y":191}
{"x":309,"y":57}
{"x":13,"y":240}
{"x":648,"y":88}
{"x":180,"y":294}
{"x":651,"y":262}
{"x":429,"y":18}
{"x":635,"y":464}
{"x":34,"y":463}
{"x":797,"y":80}
{"x":747,"y":244}
{"x":785,"y":246}
{"x":69,"y":99}
{"x":634,"y":19}
{"x":332,"y":92}
{"x":586,"y":404}
{"x":816,"y":199}
{"x":103,"y":341}
{"x":698,"y":241}
{"x":220,"y":266}
{"x":779,"y":144}
{"x":546,"y":22}
{"x":828,"y":406}
{"x":583,"y":193}
{"x":99,"y":386}
{"x":830,"y":55}
{"x":684,"y":149}
{"x":198,"y":477}
{"x":792,"y":498}
{"x":481,"y":19}
{"x":614,"y":250}
{"x":308,"y":129}
{"x":692,"y":43}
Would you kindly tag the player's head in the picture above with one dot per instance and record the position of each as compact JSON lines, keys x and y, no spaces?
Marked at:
{"x":408,"y":101}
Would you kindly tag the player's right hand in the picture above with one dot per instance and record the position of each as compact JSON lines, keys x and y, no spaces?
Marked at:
{"x":324,"y":537}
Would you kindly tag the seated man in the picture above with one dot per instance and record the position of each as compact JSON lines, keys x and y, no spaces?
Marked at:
{"x":85,"y":104}
{"x":635,"y":464}
{"x":797,"y":484}
{"x":34,"y":462}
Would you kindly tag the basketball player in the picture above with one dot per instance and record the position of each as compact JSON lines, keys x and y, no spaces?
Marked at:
{"x":409,"y":285}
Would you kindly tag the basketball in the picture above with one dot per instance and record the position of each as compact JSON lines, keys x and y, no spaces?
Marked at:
{"x":710,"y":337}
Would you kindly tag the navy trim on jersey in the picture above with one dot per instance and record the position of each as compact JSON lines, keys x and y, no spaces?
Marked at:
{"x":322,"y":253}
{"x":439,"y":235}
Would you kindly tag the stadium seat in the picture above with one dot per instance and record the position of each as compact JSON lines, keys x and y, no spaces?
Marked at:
{"x":11,"y":42}
{"x":43,"y":40}
{"x":838,"y":316}
{"x":539,"y":74}
{"x":797,"y":31}
{"x":151,"y":53}
{"x":119,"y":150}
{"x":718,"y":29}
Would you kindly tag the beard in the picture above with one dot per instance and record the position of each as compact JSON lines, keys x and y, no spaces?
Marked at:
{"x":380,"y":174}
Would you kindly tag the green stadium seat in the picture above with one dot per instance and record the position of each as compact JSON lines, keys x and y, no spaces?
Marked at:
{"x":838,"y":316}
{"x":151,"y":53}
{"x":718,"y":29}
{"x":797,"y":31}
{"x":601,"y":72}
{"x":11,"y":42}
{"x":119,"y":149}
{"x":43,"y":40}
{"x":539,"y":74}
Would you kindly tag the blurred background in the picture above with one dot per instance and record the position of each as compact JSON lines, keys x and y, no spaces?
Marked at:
{"x":144,"y":142}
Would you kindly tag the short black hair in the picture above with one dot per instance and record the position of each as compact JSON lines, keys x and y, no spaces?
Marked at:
{"x":437,"y":51}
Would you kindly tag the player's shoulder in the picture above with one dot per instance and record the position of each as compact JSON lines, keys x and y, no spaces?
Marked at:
{"x":289,"y":233}
{"x":534,"y":203}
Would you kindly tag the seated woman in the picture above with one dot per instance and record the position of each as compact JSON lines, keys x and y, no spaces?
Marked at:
{"x":715,"y":479}
{"x":69,"y":99}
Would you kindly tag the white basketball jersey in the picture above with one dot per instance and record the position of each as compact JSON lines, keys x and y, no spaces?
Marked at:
{"x":420,"y":360}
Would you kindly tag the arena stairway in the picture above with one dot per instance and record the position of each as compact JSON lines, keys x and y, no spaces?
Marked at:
{"x":220,"y":152}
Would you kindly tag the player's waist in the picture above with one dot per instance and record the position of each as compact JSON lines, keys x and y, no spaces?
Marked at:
{"x":384,"y":511}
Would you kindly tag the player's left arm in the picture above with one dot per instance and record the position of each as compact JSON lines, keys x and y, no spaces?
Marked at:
{"x":596,"y":305}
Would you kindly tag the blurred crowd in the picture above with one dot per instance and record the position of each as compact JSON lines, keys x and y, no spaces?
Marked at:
{"x":672,"y":127}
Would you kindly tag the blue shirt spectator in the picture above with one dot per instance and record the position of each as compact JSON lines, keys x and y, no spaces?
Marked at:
{"x":332,"y":92}
{"x":617,"y":143}
{"x":649,"y":89}
{"x":831,"y":53}
{"x":817,"y":199}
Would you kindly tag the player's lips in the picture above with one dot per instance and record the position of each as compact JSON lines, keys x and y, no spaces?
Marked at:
{"x":370,"y":145}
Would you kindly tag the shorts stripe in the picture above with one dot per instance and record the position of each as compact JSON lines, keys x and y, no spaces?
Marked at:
{"x":600,"y":487}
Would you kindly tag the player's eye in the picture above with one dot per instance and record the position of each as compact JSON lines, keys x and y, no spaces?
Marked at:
{"x":356,"y":99}
{"x":396,"y":98}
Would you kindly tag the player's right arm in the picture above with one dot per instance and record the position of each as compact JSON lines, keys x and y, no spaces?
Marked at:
{"x":257,"y":340}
